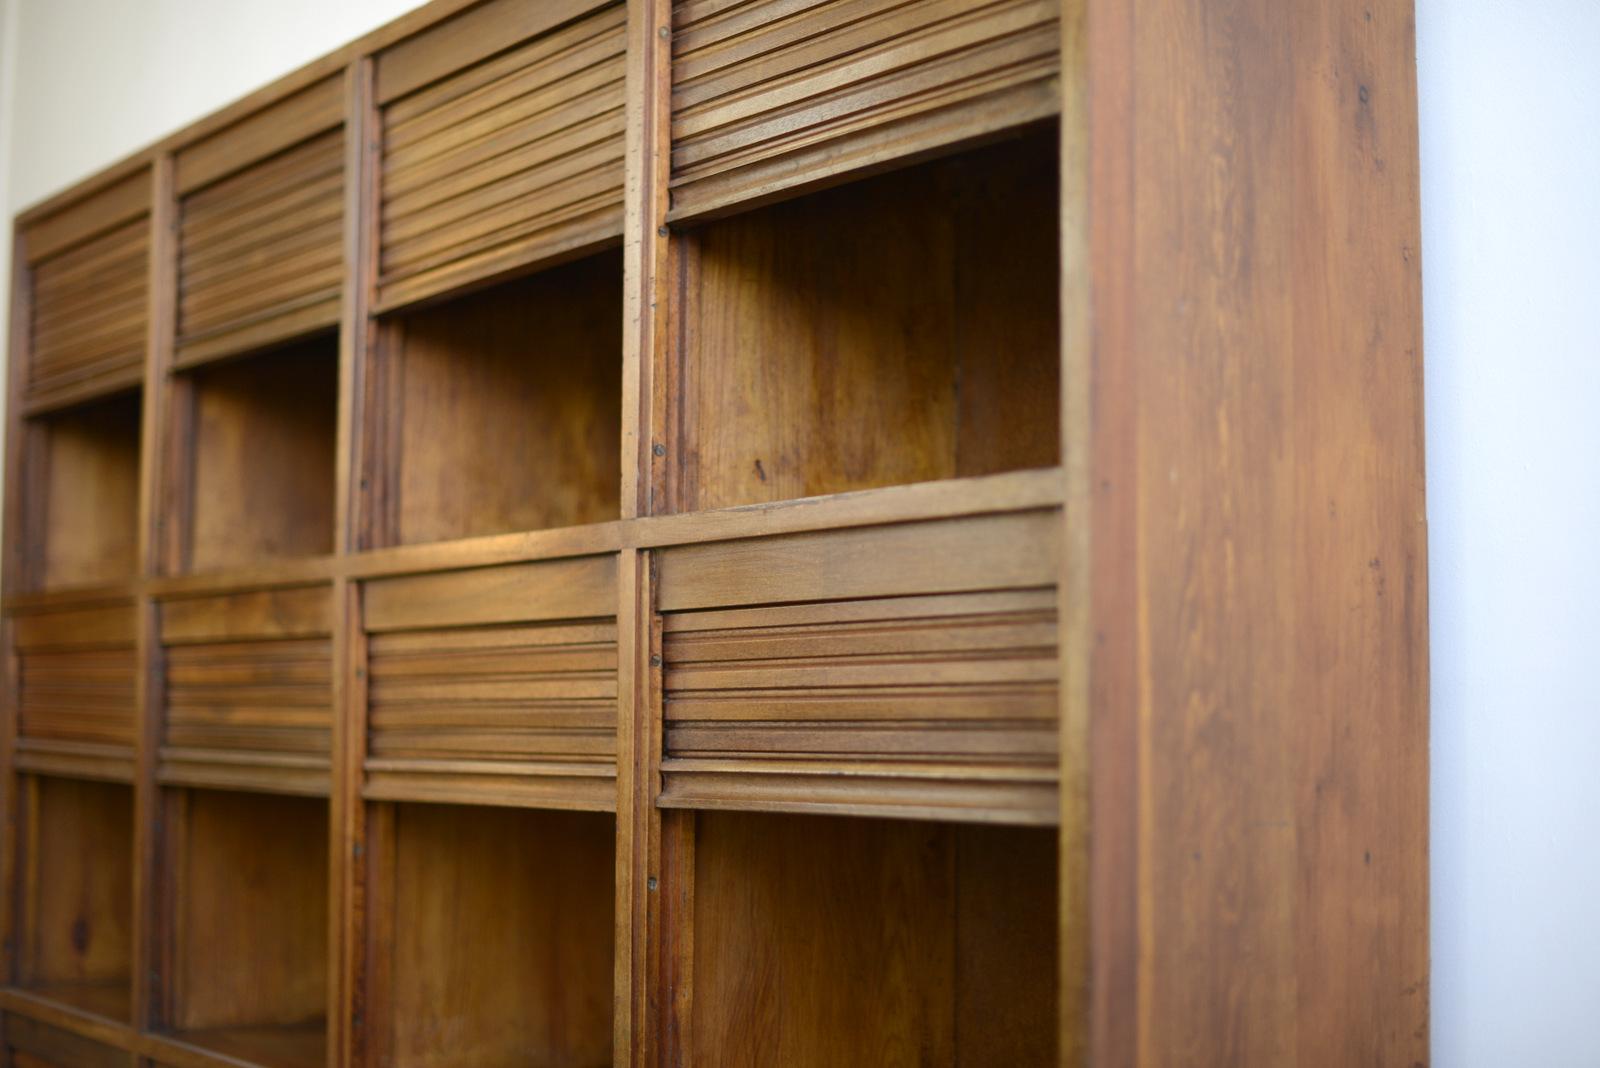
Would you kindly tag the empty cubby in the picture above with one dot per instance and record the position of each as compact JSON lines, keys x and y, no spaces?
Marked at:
{"x":261,"y":465}
{"x":838,"y":940}
{"x":491,"y":943}
{"x":502,"y":408}
{"x":902,"y":328}
{"x":81,"y":502}
{"x":246,"y":931}
{"x":75,"y":913}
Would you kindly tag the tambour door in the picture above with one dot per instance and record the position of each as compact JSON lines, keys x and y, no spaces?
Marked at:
{"x":260,"y":227}
{"x":248,"y":690}
{"x":908,"y":670}
{"x":87,"y":294}
{"x":76,"y":669}
{"x":773,"y":94}
{"x":502,"y":143}
{"x":494,"y":685}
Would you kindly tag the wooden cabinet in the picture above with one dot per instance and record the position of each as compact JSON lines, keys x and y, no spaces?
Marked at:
{"x":731,"y":532}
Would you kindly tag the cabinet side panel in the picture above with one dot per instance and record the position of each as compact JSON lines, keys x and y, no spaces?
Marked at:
{"x":1259,"y":672}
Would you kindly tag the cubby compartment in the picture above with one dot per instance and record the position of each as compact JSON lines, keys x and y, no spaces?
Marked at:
{"x":81,"y":503}
{"x":827,"y":940}
{"x":75,"y":907}
{"x":245,"y":931}
{"x":903,"y":328}
{"x":490,"y":940}
{"x":261,"y":456}
{"x":501,"y":409}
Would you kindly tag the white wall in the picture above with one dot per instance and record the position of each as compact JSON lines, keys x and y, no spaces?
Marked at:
{"x":99,"y":79}
{"x":1510,"y":104}
{"x":1510,"y":98}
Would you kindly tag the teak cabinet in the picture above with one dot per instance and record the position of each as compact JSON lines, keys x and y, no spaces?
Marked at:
{"x":731,"y":532}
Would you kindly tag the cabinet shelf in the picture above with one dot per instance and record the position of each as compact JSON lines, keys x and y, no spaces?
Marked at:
{"x":819,"y":940}
{"x":501,"y":410}
{"x":303,"y":1046}
{"x":245,"y":924}
{"x":903,"y":328}
{"x":259,"y":467}
{"x":82,"y":506}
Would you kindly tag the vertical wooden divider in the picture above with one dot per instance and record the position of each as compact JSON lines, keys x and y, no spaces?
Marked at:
{"x":645,"y":245}
{"x":1076,"y":627}
{"x":645,"y":239}
{"x":347,"y":837}
{"x":11,"y":571}
{"x":155,"y":475}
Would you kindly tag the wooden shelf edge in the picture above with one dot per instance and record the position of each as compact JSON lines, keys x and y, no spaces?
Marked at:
{"x":188,"y":1049}
{"x":700,"y":198}
{"x":1016,"y":491}
{"x":75,"y":760}
{"x":575,"y":788}
{"x":958,"y":795}
{"x":297,"y":571}
{"x":29,"y":601}
{"x":81,"y":1022}
{"x":250,"y":772}
{"x":44,"y":402}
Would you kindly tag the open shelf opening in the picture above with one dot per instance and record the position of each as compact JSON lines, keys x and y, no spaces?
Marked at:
{"x":502,"y":409}
{"x":76,"y":909}
{"x":903,"y":328}
{"x":82,"y":495}
{"x":263,"y":460}
{"x":836,"y":940}
{"x":247,"y":933}
{"x":495,"y":948}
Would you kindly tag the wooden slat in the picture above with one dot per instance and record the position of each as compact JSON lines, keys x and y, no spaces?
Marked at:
{"x":985,"y":552}
{"x":780,"y":94}
{"x":493,"y":164}
{"x":467,"y":38}
{"x":73,"y":224}
{"x":559,"y":589}
{"x":90,"y":306}
{"x":261,"y":253}
{"x":310,"y":111}
{"x":295,"y":612}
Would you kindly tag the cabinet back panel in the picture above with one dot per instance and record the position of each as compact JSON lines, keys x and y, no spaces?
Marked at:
{"x":79,"y":917}
{"x":902,"y":329}
{"x":87,"y":532}
{"x":502,"y":938}
{"x":251,"y":911}
{"x":506,"y":412}
{"x":854,"y":941}
{"x":264,"y":457}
